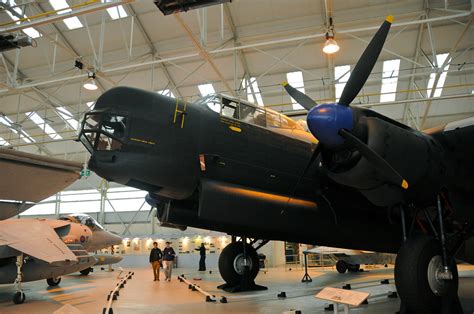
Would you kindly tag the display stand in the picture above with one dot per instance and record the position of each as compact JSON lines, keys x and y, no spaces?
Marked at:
{"x":306,"y":277}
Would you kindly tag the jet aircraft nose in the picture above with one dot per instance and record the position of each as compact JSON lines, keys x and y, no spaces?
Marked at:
{"x":106,"y":239}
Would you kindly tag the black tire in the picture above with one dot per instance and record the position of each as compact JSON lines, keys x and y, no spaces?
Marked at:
{"x":341,"y":267}
{"x":86,"y":271}
{"x":411,"y":275}
{"x":19,"y":297}
{"x":53,"y":282}
{"x":354,"y":268}
{"x":228,"y":257}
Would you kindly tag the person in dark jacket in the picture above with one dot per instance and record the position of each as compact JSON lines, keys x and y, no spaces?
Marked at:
{"x":168,"y":258}
{"x":202,"y":260}
{"x":155,"y":260}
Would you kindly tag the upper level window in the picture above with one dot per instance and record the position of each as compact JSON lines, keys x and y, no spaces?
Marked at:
{"x":440,"y":59}
{"x":341,"y":75}
{"x":295,"y":79}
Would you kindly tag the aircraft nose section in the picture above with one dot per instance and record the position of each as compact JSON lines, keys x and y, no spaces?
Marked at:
{"x":113,"y":239}
{"x":105,"y":239}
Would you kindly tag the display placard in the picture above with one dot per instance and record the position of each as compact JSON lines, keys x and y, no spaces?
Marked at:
{"x":343,"y":296}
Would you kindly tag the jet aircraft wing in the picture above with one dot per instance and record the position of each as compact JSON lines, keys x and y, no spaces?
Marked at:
{"x":333,"y":250}
{"x":36,"y":238}
{"x":44,"y":176}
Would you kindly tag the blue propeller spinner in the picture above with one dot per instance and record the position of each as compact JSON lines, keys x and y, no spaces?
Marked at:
{"x":327,"y":119}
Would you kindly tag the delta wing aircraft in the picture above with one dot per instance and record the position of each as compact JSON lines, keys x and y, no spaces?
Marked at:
{"x":367,"y":183}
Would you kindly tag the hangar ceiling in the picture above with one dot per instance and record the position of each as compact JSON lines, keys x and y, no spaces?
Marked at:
{"x":131,"y":43}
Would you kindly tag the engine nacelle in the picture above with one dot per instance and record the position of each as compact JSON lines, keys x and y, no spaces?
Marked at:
{"x":416,"y":156}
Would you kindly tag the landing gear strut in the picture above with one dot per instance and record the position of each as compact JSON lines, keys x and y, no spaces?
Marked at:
{"x":19,"y":296}
{"x":426,"y":274}
{"x":238,"y":266}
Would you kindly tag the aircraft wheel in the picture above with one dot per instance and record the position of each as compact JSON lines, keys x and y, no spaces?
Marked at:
{"x":19,"y":297}
{"x":53,"y":282}
{"x":341,"y":267}
{"x":417,"y":266}
{"x":354,"y":268}
{"x":231,"y":262}
{"x":86,"y":271}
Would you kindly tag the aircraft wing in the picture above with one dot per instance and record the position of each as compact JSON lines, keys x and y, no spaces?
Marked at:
{"x":43,"y":176}
{"x":36,"y":238}
{"x":333,"y":250}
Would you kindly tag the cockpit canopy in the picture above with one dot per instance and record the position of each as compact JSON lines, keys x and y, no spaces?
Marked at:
{"x":247,"y":112}
{"x":85,"y":220}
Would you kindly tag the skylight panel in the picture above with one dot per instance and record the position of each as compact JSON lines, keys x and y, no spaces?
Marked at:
{"x":68,"y":117}
{"x":43,"y":125}
{"x":341,"y":75}
{"x":3,"y":142}
{"x":206,"y":89}
{"x":9,"y":123}
{"x":440,"y":58}
{"x":256,"y":90}
{"x":72,"y":22}
{"x":389,"y":80}
{"x":166,"y":92}
{"x":116,"y":12}
{"x":295,"y":79}
{"x":30,"y":31}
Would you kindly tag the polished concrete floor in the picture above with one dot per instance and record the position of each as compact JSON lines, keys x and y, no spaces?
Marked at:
{"x":143,"y":295}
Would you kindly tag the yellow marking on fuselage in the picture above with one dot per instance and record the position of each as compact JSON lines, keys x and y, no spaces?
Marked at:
{"x":142,"y":141}
{"x":404,"y":184}
{"x":235,"y":129}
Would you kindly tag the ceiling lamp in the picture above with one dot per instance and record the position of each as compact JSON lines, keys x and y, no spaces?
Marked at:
{"x":330,"y":46}
{"x":90,"y":83}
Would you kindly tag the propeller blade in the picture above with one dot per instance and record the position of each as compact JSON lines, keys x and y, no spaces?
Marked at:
{"x":299,"y":97}
{"x":149,"y":212}
{"x":377,"y":161}
{"x":315,"y":154}
{"x":365,"y":64}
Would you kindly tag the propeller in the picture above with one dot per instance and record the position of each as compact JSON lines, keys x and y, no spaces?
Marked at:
{"x":332,"y":124}
{"x":378,"y":162}
{"x":152,"y":202}
{"x":365,"y":64}
{"x":299,"y":97}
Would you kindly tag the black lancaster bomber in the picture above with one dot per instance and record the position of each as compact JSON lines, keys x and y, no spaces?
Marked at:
{"x":357,"y":180}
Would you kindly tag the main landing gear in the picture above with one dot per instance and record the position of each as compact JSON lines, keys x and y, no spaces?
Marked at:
{"x":239,"y":265}
{"x":19,"y":296}
{"x":426,"y":274}
{"x":86,"y":271}
{"x":53,"y":282}
{"x":342,"y":267}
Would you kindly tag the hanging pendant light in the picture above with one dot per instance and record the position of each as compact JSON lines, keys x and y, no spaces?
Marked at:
{"x":90,"y":83}
{"x":330,"y":46}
